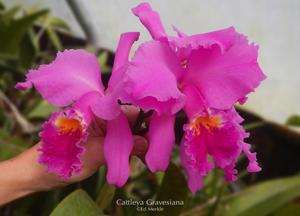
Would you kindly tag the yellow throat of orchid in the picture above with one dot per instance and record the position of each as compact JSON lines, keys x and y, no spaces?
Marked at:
{"x":66,"y":125}
{"x":207,"y":122}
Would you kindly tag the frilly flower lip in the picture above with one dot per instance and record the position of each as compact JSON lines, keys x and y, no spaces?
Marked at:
{"x":63,"y":137}
{"x":220,"y":135}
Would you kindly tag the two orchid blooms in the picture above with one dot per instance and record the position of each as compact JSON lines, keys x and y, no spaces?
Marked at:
{"x":204,"y":75}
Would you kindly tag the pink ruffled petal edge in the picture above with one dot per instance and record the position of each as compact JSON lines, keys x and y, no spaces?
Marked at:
{"x":61,"y":148}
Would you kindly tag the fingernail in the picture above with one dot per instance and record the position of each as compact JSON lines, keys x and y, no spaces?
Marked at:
{"x":140,"y":145}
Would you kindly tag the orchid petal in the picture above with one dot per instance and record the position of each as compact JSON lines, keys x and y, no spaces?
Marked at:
{"x":118,"y":144}
{"x":179,"y":33}
{"x":217,"y":133}
{"x":253,"y":165}
{"x":161,"y":142}
{"x":226,"y":143}
{"x":84,"y":104}
{"x":194,"y":179}
{"x":230,"y":173}
{"x":194,"y":101}
{"x":121,"y":57}
{"x":72,"y":74}
{"x":61,"y":139}
{"x":197,"y":150}
{"x":107,"y":107}
{"x":153,"y":85}
{"x":223,"y":38}
{"x":150,"y":19}
{"x":224,"y":78}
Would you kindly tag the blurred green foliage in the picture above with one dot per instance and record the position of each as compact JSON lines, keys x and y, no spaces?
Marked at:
{"x":264,"y":198}
{"x":21,"y":113}
{"x":293,"y":120}
{"x":30,"y":38}
{"x":77,"y":203}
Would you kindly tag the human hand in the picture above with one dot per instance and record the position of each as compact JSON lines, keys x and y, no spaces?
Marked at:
{"x":23,"y":175}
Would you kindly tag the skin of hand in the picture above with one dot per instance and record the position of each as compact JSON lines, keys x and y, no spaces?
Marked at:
{"x":23,"y":175}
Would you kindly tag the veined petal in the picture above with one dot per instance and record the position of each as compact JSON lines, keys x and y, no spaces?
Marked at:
{"x":150,"y":81}
{"x":194,"y":101}
{"x":227,"y":140}
{"x":161,"y":142}
{"x":121,"y":57}
{"x":196,"y":149}
{"x":224,"y":78}
{"x":223,"y":38}
{"x":253,"y":165}
{"x":230,"y":173}
{"x":107,"y":107}
{"x":180,"y":34}
{"x":85,"y":103}
{"x":150,"y":19}
{"x":194,"y":179}
{"x":217,"y":133}
{"x":61,"y":138}
{"x":72,"y":74}
{"x":118,"y":144}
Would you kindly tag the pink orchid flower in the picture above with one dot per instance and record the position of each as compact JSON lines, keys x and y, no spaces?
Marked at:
{"x":74,"y":76}
{"x":61,"y":137}
{"x":205,"y":74}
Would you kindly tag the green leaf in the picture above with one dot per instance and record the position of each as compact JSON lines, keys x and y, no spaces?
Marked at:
{"x":12,"y":35}
{"x":78,"y":203}
{"x":28,"y":50}
{"x":106,"y":196}
{"x":293,"y":120}
{"x":264,"y":198}
{"x":11,"y":145}
{"x":292,"y":209}
{"x":2,"y":7}
{"x":7,"y":16}
{"x":173,"y":188}
{"x":59,"y":24}
{"x":254,"y":125}
{"x":159,"y":177}
{"x":103,"y":61}
{"x":11,"y":65}
{"x":42,"y":110}
{"x":54,"y":38}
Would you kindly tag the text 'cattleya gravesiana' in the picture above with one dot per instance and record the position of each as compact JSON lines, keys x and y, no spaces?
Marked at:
{"x":204,"y":75}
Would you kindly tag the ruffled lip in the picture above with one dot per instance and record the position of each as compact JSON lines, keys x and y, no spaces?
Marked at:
{"x":224,"y":142}
{"x":61,"y":145}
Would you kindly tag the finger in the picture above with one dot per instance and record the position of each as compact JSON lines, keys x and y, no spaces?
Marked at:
{"x":140,"y":146}
{"x":91,"y":159}
{"x":131,"y":112}
{"x":97,"y":127}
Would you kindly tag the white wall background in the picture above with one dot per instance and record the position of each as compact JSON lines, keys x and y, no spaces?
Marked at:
{"x":273,"y":24}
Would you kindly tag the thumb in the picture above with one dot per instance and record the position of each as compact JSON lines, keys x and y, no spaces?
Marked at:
{"x":140,"y":146}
